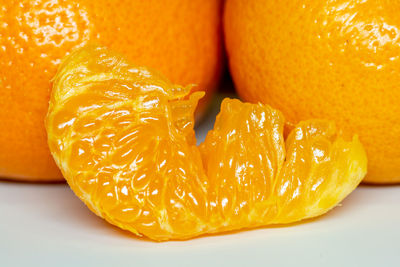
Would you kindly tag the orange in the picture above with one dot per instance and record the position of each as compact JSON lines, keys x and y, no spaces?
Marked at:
{"x":123,"y":138}
{"x":335,"y":60}
{"x":179,"y":37}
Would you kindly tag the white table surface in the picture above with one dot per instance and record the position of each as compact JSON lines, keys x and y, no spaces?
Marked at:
{"x":46,"y":225}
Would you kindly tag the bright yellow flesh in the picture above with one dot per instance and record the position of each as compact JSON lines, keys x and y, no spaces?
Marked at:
{"x":123,"y":138}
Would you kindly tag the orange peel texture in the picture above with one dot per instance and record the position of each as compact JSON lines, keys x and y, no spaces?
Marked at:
{"x":123,"y":138}
{"x":335,"y":59}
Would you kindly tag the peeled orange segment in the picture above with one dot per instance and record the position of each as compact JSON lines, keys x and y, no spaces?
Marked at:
{"x":123,"y":138}
{"x":256,"y":181}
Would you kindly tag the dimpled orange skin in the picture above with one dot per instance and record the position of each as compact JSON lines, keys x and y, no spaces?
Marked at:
{"x":180,"y":38}
{"x":338,"y":60}
{"x":123,"y":137}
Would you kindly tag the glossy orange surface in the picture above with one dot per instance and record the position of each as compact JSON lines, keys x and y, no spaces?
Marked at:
{"x":336,"y":59}
{"x":180,"y":38}
{"x":123,"y":138}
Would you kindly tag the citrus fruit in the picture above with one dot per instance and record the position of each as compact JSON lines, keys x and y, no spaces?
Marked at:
{"x":181,"y":38}
{"x":123,"y":138}
{"x":335,"y":60}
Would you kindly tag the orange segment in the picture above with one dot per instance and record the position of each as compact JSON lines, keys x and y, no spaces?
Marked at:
{"x":136,"y":156}
{"x":123,"y":138}
{"x":242,"y":157}
{"x":256,"y":181}
{"x":320,"y":170}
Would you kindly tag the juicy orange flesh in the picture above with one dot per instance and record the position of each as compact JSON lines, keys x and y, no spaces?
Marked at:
{"x":123,"y":137}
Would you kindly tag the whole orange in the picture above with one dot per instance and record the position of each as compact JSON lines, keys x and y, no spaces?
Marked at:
{"x":179,"y":38}
{"x":328,"y":59}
